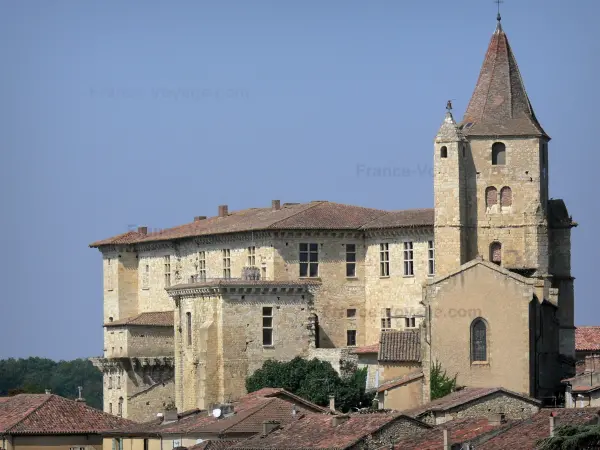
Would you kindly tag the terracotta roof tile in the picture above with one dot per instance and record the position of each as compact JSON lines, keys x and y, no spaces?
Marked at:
{"x":525,"y":434}
{"x":213,"y":445}
{"x":400,"y":381}
{"x":459,"y":431}
{"x":318,"y":432}
{"x":153,"y":319}
{"x":500,"y":105}
{"x":367,"y":349}
{"x":44,"y":414}
{"x":463,"y":397}
{"x":587,"y":338}
{"x":400,"y":346}
{"x":313,"y":215}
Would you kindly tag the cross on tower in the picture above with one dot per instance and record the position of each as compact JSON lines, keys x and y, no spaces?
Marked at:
{"x":498,"y":3}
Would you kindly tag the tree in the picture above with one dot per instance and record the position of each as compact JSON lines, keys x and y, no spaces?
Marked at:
{"x":313,"y":380}
{"x":572,"y":437}
{"x":440,"y":383}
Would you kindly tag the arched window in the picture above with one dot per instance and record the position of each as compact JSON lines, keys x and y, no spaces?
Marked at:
{"x":444,"y":152}
{"x":506,"y":196}
{"x":498,"y":154}
{"x":491,"y":196}
{"x":496,"y":253}
{"x":478,"y":340}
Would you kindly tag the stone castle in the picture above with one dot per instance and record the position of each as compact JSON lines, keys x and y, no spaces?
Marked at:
{"x":484,"y":277}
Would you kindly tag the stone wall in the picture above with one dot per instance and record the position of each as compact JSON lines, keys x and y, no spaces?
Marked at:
{"x":400,"y":428}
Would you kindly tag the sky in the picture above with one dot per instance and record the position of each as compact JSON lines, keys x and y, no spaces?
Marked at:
{"x":116,"y":113}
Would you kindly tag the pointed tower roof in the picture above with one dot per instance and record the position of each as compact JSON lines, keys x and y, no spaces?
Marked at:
{"x":500,"y":105}
{"x":449,"y":131}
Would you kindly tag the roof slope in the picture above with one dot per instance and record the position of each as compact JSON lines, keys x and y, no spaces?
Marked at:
{"x":587,"y":338}
{"x":500,"y":105}
{"x":43,"y":414}
{"x":314,"y":215}
{"x":149,"y":319}
{"x":395,"y":346}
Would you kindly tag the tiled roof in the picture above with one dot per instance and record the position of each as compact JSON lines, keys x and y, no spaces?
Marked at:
{"x":463,"y":397}
{"x":500,"y":105}
{"x":400,"y":346}
{"x":525,"y":434}
{"x":250,"y":411}
{"x":400,"y":381}
{"x":153,"y":319}
{"x":459,"y":431}
{"x":313,"y":215}
{"x":587,"y":338}
{"x":584,"y":389}
{"x":45,"y":414}
{"x":367,"y":349}
{"x":213,"y":445}
{"x":318,"y":432}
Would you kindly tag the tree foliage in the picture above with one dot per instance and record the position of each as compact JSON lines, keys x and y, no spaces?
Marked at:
{"x":440,"y":383}
{"x":571,"y":437}
{"x":313,"y":380}
{"x":35,"y":375}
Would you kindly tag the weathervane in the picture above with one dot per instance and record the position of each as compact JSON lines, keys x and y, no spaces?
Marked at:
{"x":449,"y":105}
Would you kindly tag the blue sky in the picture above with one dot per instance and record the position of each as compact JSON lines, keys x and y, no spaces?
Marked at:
{"x":120,"y":113}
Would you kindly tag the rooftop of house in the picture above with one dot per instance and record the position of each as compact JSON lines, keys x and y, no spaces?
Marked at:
{"x":397,"y":382}
{"x":587,"y":338}
{"x":49,"y":414}
{"x":249,"y":412}
{"x":213,"y":445}
{"x":463,"y":397}
{"x":316,"y":215}
{"x":148,"y":319}
{"x":400,"y":346}
{"x":459,"y":431}
{"x":526,"y":433}
{"x":322,"y":432}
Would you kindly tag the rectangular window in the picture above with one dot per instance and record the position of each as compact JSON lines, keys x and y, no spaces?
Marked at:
{"x":201,"y":266}
{"x":120,"y":412}
{"x":189,"y":328}
{"x":351,"y":312}
{"x":251,"y":256}
{"x":226,"y":263}
{"x":309,"y":260}
{"x":110,"y":385}
{"x":409,"y":268}
{"x":263,"y":275}
{"x":267,"y":325}
{"x":350,"y":260}
{"x":167,"y":270}
{"x":109,"y":275}
{"x":350,"y":338}
{"x":386,"y":319}
{"x":146,"y":444}
{"x":146,"y":277}
{"x":118,"y":381}
{"x":431,"y":258}
{"x":110,"y":408}
{"x":410,"y":322}
{"x":384,"y":260}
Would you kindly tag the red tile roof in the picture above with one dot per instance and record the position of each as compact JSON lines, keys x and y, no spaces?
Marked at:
{"x":463,"y":397}
{"x":367,"y":349}
{"x":396,"y":346}
{"x":313,"y":215}
{"x":500,"y":105}
{"x":400,"y":381}
{"x":587,"y":338}
{"x":318,"y":432}
{"x":149,"y":319}
{"x":459,"y":431}
{"x":525,"y":434}
{"x":213,"y":445}
{"x":46,"y":414}
{"x":250,"y":411}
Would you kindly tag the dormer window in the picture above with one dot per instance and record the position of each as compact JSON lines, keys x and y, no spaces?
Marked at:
{"x":444,"y":152}
{"x":498,"y":154}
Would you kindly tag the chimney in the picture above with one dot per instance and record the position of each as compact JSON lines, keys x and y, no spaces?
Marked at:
{"x":339,"y":419}
{"x":48,"y":392}
{"x":223,"y":210}
{"x":269,"y":426}
{"x":143,"y":230}
{"x":332,"y":403}
{"x":295,"y":412}
{"x":446,"y":441}
{"x":552,"y":423}
{"x":497,"y":419}
{"x":79,"y":397}
{"x":275,"y":205}
{"x":170,"y":415}
{"x":199,"y":218}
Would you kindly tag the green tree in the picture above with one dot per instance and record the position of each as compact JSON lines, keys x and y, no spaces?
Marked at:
{"x":570,"y":437}
{"x":440,"y":383}
{"x":313,"y":380}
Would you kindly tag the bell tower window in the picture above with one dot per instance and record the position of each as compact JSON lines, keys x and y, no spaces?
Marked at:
{"x":491,"y":196}
{"x":498,"y":154}
{"x":496,"y":253}
{"x":506,"y":196}
{"x":444,"y":152}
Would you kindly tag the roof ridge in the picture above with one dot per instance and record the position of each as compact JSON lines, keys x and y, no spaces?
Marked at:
{"x":30,"y":412}
{"x":256,"y":409}
{"x":385,"y":213}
